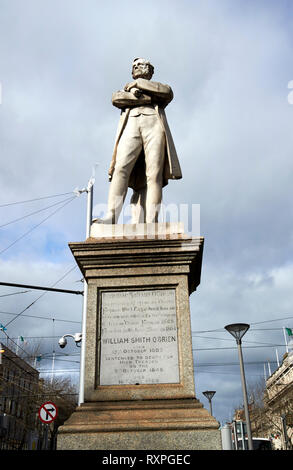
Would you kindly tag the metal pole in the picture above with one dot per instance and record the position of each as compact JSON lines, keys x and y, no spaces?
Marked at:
{"x":226,"y":435}
{"x":17,"y":345}
{"x":235,"y":435}
{"x":245,"y":401}
{"x":53,"y":367}
{"x":85,"y":292}
{"x":51,"y":289}
{"x":242,"y":435}
{"x":285,"y":338}
{"x":284,"y":428}
{"x":278,"y":362}
{"x":211,"y":411}
{"x":269,"y":367}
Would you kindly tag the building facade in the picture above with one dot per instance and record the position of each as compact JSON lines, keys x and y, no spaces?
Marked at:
{"x":20,"y":427}
{"x":278,"y":403}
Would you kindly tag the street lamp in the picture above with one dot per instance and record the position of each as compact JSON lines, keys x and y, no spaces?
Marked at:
{"x":209,"y":395}
{"x":238,"y":330}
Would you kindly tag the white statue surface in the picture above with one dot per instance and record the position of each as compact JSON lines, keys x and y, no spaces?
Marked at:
{"x":144,"y":156}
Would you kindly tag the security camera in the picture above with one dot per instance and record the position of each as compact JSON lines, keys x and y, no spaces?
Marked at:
{"x":77,"y":338}
{"x":62,"y":342}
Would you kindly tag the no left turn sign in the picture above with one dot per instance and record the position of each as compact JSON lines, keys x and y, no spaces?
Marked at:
{"x":48,"y":412}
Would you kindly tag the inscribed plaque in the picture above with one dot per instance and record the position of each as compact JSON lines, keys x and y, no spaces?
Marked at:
{"x":138,"y":337}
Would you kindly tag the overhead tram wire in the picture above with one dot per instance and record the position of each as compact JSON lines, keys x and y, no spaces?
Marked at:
{"x":35,"y":212}
{"x":44,"y":356}
{"x":228,"y":339}
{"x":41,"y":318}
{"x":35,"y":226}
{"x":228,"y":364}
{"x":233,"y":347}
{"x":44,"y":293}
{"x":15,"y":293}
{"x":212,"y":372}
{"x":218,"y":330}
{"x":33,"y":382}
{"x":10,"y":339}
{"x":269,"y":321}
{"x":36,"y":199}
{"x":27,"y":356}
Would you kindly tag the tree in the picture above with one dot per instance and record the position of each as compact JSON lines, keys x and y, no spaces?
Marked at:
{"x":62,"y":392}
{"x":268,"y":408}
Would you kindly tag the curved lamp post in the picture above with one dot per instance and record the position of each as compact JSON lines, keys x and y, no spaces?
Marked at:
{"x":238,"y":330}
{"x":209,"y":395}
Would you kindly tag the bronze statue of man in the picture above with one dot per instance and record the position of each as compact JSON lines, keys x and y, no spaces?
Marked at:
{"x":144,"y":156}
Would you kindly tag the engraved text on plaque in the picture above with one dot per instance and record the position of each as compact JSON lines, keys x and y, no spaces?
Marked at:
{"x":138,"y":337}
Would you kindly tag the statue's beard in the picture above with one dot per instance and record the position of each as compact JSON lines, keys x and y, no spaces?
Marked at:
{"x":144,"y":73}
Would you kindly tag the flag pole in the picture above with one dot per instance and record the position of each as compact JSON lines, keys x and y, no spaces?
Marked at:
{"x":17,"y":345}
{"x":278,"y":362}
{"x":285,"y":337}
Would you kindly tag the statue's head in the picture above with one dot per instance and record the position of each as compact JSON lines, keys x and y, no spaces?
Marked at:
{"x":142,"y":68}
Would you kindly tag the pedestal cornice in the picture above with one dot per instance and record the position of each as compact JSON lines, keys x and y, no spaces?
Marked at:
{"x":102,"y":257}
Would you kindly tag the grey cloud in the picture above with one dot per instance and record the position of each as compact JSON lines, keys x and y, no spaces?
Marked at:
{"x":231,"y":122}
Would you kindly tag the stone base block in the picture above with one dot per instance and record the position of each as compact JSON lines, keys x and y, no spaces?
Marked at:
{"x":136,"y":230}
{"x":145,"y":425}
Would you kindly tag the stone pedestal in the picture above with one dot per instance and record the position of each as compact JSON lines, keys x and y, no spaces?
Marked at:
{"x":139,"y":381}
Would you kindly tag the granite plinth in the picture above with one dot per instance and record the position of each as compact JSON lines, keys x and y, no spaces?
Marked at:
{"x":162,"y":229}
{"x":139,"y":379}
{"x":144,"y":425}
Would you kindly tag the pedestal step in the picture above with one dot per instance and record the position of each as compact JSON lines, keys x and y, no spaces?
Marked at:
{"x":150,"y":424}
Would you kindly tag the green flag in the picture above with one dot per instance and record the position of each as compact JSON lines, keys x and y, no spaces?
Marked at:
{"x":289,"y":331}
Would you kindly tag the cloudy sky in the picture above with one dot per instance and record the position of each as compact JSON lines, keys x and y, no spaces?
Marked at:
{"x":229,"y":63}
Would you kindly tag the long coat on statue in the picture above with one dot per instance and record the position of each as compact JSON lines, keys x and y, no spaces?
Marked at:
{"x":137,"y":180}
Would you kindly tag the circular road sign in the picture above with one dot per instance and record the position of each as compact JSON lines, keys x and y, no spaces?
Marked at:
{"x":48,"y":412}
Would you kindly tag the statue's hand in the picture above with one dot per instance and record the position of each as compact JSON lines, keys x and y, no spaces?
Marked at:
{"x":130,"y":85}
{"x":136,"y":92}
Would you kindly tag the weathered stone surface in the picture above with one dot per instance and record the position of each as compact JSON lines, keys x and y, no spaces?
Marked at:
{"x":159,"y":410}
{"x":136,"y":230}
{"x":139,"y":337}
{"x":144,"y":156}
{"x":155,"y":424}
{"x":123,"y":257}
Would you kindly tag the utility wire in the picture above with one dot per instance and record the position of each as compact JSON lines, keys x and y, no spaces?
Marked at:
{"x":244,"y":347}
{"x":15,"y":293}
{"x":36,"y":199}
{"x":44,"y":293}
{"x":226,"y":373}
{"x":50,"y":371}
{"x":33,"y":213}
{"x":17,"y":345}
{"x":39,"y":395}
{"x":269,"y":321}
{"x":228,"y":339}
{"x":251,"y":329}
{"x":228,"y":364}
{"x":41,"y":318}
{"x":32,"y":382}
{"x":35,"y":226}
